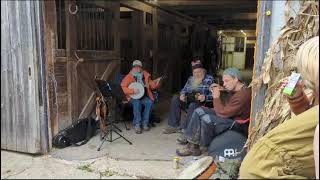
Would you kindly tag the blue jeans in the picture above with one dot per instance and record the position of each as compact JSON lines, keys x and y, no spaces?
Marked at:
{"x":205,"y":125}
{"x":137,"y":106}
{"x":175,"y":113}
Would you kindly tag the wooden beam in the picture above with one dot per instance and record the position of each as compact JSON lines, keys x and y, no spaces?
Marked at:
{"x":200,"y":3}
{"x":213,"y":8}
{"x":215,"y":11}
{"x":136,"y":5}
{"x":88,"y":107}
{"x":249,"y":33}
{"x":231,"y":16}
{"x":59,"y":52}
{"x":235,"y":27}
{"x":94,"y":55}
{"x":243,"y":23}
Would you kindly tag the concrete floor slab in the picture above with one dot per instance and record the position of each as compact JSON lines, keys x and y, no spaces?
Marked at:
{"x":150,"y":156}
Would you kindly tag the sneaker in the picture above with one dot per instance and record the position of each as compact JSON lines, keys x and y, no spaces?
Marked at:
{"x":182,"y":140}
{"x":188,"y":151}
{"x":170,"y":130}
{"x":138,"y":130}
{"x":146,"y":128}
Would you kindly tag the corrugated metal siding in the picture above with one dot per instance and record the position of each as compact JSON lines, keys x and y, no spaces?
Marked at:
{"x":20,"y":109}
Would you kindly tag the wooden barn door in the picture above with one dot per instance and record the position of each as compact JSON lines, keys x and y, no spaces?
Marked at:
{"x":23,"y":123}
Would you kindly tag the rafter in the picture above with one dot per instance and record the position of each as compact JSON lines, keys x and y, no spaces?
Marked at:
{"x":201,"y":2}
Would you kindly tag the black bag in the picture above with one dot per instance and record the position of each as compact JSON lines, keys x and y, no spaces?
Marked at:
{"x":77,"y":134}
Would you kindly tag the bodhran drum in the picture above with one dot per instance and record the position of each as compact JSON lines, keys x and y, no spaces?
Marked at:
{"x":138,"y":86}
{"x":200,"y":169}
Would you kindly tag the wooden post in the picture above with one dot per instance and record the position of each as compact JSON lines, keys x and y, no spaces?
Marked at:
{"x":72,"y":77}
{"x":50,"y":31}
{"x":155,"y":42}
{"x":262,"y":45}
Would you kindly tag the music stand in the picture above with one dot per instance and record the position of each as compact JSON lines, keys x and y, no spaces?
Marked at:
{"x":108,"y":91}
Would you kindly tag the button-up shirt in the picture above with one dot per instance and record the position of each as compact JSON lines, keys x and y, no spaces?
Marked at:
{"x":202,"y":88}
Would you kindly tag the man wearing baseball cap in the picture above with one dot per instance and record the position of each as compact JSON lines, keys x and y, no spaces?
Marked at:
{"x":137,"y":74}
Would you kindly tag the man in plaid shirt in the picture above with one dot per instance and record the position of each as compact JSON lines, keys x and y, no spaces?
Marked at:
{"x":198,"y":83}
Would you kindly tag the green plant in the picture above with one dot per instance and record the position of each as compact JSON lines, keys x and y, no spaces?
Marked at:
{"x":86,"y":168}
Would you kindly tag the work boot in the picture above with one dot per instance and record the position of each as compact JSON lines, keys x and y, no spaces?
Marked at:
{"x":170,"y":130}
{"x":182,"y":140}
{"x":138,"y":130}
{"x":192,"y":150}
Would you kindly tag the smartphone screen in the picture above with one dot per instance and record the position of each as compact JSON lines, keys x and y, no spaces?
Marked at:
{"x":293,"y":80}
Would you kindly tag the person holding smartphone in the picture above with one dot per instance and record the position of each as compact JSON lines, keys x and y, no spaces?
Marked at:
{"x":287,"y":151}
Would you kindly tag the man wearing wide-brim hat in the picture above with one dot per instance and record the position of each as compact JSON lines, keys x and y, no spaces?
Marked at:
{"x":206,"y":123}
{"x":198,"y":83}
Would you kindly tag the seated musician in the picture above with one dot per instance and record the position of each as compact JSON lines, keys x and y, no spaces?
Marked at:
{"x":206,"y":123}
{"x":137,"y":74}
{"x":196,"y":89}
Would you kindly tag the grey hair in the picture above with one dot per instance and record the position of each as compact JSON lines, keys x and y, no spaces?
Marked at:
{"x":307,"y":60}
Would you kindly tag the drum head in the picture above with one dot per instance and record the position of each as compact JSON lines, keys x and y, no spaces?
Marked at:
{"x":195,"y":169}
{"x":139,"y":86}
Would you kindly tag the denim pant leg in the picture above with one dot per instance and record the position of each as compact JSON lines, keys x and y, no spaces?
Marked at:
{"x":148,"y":103}
{"x":136,"y":104}
{"x":204,"y":126}
{"x":175,"y":112}
{"x":192,"y":106}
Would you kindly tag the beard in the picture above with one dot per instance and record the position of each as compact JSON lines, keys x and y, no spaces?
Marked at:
{"x":196,"y":82}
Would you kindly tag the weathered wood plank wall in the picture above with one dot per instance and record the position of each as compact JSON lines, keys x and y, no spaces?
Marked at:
{"x":165,"y":36}
{"x":22,"y":115}
{"x":74,"y":79}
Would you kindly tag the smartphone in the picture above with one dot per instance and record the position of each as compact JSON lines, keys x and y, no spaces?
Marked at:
{"x":289,"y":89}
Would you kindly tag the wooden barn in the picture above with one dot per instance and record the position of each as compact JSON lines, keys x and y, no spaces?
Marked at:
{"x":52,"y":50}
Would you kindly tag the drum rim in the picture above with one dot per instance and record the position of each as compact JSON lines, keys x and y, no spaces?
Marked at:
{"x":198,"y":172}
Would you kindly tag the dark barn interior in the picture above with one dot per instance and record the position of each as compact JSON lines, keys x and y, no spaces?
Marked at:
{"x":102,"y":38}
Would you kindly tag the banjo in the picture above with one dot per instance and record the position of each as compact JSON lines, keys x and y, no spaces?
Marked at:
{"x":140,"y":87}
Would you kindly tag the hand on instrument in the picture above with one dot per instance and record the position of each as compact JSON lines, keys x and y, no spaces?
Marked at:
{"x":136,"y":91}
{"x":298,"y":89}
{"x":201,"y":97}
{"x":213,"y":86}
{"x":215,"y":90}
{"x":183,"y":97}
{"x":157,"y":81}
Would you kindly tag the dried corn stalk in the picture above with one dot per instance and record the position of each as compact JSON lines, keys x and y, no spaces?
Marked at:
{"x":278,"y":64}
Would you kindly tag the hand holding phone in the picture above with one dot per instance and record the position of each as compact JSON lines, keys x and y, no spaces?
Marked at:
{"x":292,"y":85}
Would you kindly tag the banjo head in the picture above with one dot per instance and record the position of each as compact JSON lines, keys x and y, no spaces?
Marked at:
{"x":138,"y":86}
{"x":195,"y":169}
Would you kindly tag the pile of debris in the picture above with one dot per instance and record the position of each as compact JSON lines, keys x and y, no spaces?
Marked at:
{"x":279,"y":63}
